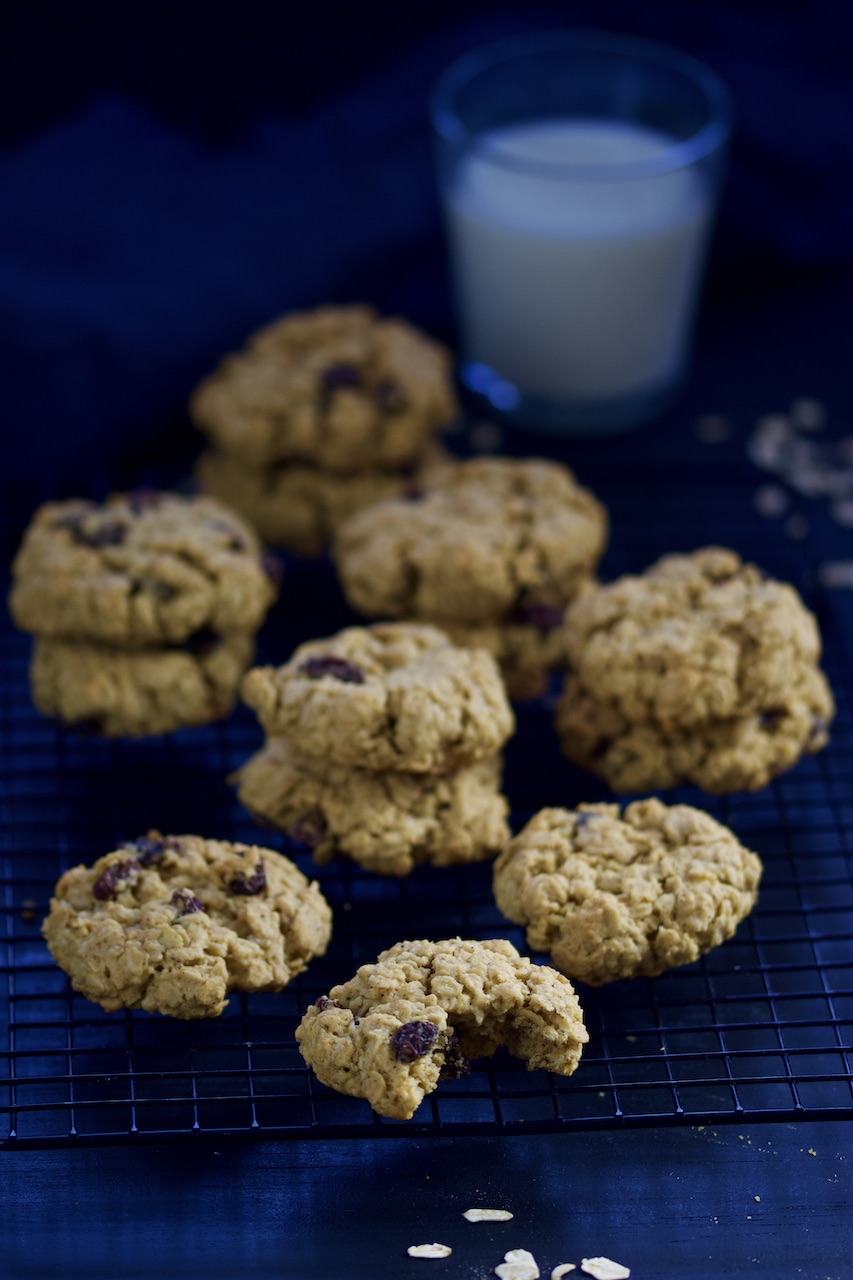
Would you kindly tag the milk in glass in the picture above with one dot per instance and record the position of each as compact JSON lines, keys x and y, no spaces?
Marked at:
{"x":577,"y":285}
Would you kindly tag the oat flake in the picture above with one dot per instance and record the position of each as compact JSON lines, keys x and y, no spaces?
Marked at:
{"x":487,"y":1215}
{"x":563,"y":1270}
{"x":429,"y":1251}
{"x":518,"y":1264}
{"x":604,"y":1269}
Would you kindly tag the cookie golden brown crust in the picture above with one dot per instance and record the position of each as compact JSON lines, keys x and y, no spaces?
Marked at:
{"x":611,"y":895}
{"x":400,"y":1025}
{"x":494,"y":539}
{"x":172,"y":924}
{"x":143,"y":569}
{"x":389,"y":696}
{"x":387,"y":822}
{"x":339,"y":388}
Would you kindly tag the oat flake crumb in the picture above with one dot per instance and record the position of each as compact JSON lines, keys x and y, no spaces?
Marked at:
{"x":563,"y":1270}
{"x":770,"y":500}
{"x":604,"y":1269}
{"x":836,"y":573}
{"x":429,"y":1251}
{"x":807,"y":413}
{"x":518,"y":1264}
{"x":487,"y":1215}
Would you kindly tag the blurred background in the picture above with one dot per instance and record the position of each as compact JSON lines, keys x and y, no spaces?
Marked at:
{"x":174,"y":175}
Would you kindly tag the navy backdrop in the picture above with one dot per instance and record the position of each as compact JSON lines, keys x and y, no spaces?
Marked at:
{"x":173,"y":176}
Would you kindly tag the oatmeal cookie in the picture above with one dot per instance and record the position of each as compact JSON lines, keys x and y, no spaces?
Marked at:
{"x":741,"y":753}
{"x":390,"y":696}
{"x":612,"y":895}
{"x":340,"y":388}
{"x":696,"y":638}
{"x":526,"y":651}
{"x":143,"y":569}
{"x":172,"y":924}
{"x":400,"y":1025}
{"x":387,"y":822}
{"x":134,"y":693}
{"x":493,"y":538}
{"x":301,"y":507}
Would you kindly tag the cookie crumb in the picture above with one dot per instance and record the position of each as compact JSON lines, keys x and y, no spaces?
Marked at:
{"x":770,"y":501}
{"x":836,"y":573}
{"x":604,"y":1269}
{"x":487,"y":1215}
{"x":757,"y":1199}
{"x":563,"y":1270}
{"x":429,"y":1251}
{"x":807,"y":413}
{"x":812,"y":1151}
{"x":712,"y":428}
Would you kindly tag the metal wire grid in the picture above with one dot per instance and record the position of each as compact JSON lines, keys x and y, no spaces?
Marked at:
{"x":760,"y":1029}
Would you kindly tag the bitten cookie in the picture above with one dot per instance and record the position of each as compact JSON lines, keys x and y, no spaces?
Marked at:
{"x":390,"y":696}
{"x":172,"y":924}
{"x":387,"y":822}
{"x":400,"y":1025}
{"x":134,"y":693}
{"x":340,"y":388}
{"x":494,"y":538}
{"x":143,"y":569}
{"x":612,"y":895}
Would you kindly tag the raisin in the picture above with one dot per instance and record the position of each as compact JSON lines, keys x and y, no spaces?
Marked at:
{"x":147,"y":849}
{"x":107,"y":884}
{"x":413,"y":1040}
{"x":250,"y":886}
{"x":310,"y":829}
{"x":325,"y":1002}
{"x":202,"y":642}
{"x":770,"y":719}
{"x":544,"y":617}
{"x":141,"y":500}
{"x":413,"y":493}
{"x":340,"y":375}
{"x":327,"y":664}
{"x":455,"y":1063}
{"x":390,"y":397}
{"x":187,"y":902}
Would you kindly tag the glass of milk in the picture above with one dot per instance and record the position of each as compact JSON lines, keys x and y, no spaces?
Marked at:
{"x":579,"y":174}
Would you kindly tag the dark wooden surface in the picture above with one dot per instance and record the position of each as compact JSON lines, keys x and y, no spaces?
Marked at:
{"x":676,"y":1204}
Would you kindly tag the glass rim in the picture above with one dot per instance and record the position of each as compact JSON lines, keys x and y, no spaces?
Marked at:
{"x":710,"y":137}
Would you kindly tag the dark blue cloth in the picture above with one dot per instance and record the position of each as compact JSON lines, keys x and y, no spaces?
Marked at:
{"x":133,"y":253}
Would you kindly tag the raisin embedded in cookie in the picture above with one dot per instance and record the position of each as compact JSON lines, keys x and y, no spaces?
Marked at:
{"x":143,"y":569}
{"x":612,"y":895}
{"x":390,"y":696}
{"x":340,"y":388}
{"x":387,"y":822}
{"x":173,"y":924}
{"x":483,"y":544}
{"x":135,"y":693}
{"x":696,"y":638}
{"x":416,"y":1016}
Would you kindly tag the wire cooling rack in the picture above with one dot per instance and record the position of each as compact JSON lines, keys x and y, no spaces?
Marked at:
{"x":760,"y":1029}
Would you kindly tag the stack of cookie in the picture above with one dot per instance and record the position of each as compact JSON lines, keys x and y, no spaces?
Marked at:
{"x":700,"y":670}
{"x":383,"y":747}
{"x":321,"y":414}
{"x":492,"y":552}
{"x":144,"y":610}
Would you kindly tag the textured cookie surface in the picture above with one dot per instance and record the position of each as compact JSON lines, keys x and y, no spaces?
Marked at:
{"x":389,"y":696}
{"x":388,"y":822}
{"x":612,"y":895}
{"x":494,"y":538}
{"x":134,"y":693}
{"x":142,"y":569}
{"x":173,"y":924}
{"x":424,"y":1008}
{"x":526,"y":652}
{"x":301,"y":507}
{"x":338,"y":387}
{"x":695,"y":638}
{"x":741,"y":753}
